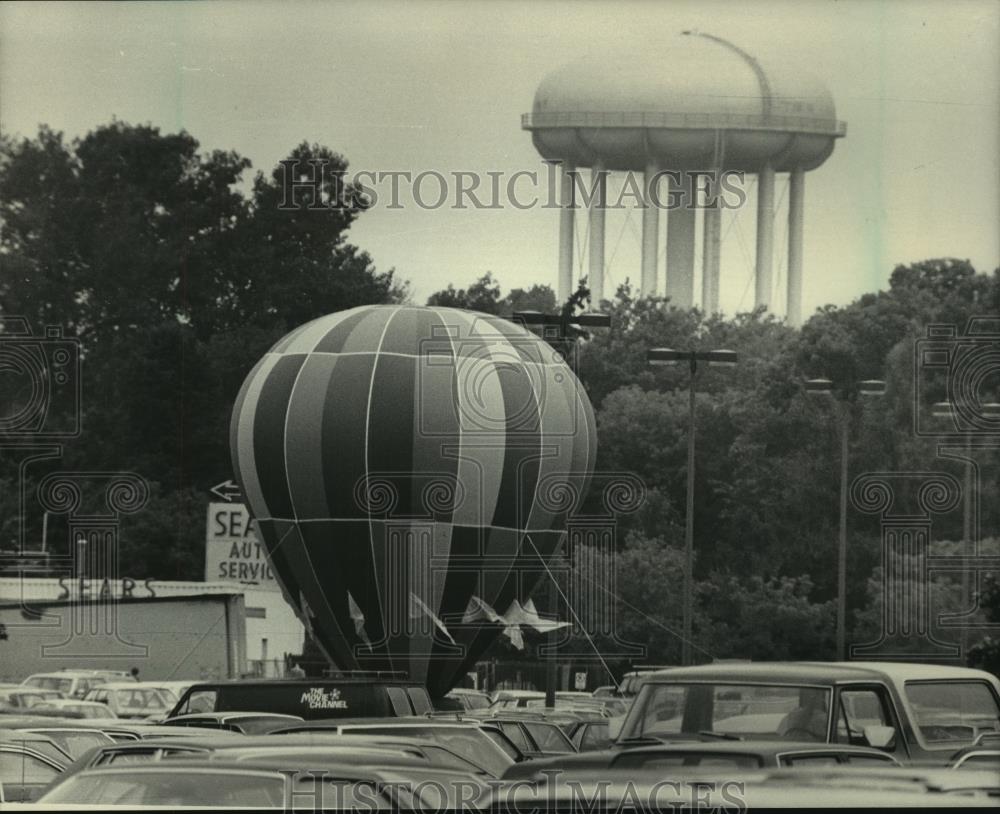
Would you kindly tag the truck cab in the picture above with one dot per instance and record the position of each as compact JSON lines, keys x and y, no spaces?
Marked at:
{"x":918,"y":713}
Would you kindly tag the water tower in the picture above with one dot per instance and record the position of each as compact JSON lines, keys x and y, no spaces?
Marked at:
{"x":700,"y":105}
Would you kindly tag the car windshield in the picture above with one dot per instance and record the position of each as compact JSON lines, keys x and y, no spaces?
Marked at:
{"x":138,"y":699}
{"x":143,"y":788}
{"x":743,"y":710}
{"x":58,"y":683}
{"x":953,"y":712}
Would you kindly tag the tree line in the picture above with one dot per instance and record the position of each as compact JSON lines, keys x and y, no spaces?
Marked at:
{"x":175,"y":269}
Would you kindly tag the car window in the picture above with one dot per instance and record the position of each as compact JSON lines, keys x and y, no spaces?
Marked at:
{"x":400,"y":706}
{"x":19,"y":767}
{"x":953,"y":711}
{"x":137,"y":699}
{"x":420,"y":700}
{"x":756,"y":711}
{"x":595,"y":736}
{"x":505,"y":743}
{"x":549,"y":737}
{"x":200,"y":701}
{"x":654,"y":760}
{"x":130,"y":756}
{"x":809,"y":760}
{"x":449,"y":760}
{"x":515,"y":733}
{"x":862,"y":707}
{"x":868,"y":759}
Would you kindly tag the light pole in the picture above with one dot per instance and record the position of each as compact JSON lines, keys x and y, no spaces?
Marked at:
{"x":714,"y":358}
{"x":945,"y":409}
{"x":824,"y":387}
{"x":562,"y":325}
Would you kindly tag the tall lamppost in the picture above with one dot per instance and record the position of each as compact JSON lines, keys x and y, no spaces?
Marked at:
{"x":714,"y":358}
{"x":824,"y":387}
{"x":564,"y":329}
{"x":945,"y":409}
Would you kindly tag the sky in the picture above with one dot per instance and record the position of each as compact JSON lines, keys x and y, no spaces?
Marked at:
{"x":440,"y":86}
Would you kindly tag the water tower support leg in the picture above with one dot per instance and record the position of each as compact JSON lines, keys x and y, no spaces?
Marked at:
{"x":796,"y":193}
{"x":710,"y":259}
{"x":765,"y":235}
{"x":566,"y":215}
{"x":680,"y":241}
{"x":598,"y":176}
{"x":650,"y":228}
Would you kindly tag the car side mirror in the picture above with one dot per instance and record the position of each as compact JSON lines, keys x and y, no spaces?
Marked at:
{"x":879,"y":737}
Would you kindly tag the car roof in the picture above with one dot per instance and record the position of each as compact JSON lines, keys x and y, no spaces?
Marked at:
{"x":304,"y":682}
{"x":814,"y":672}
{"x":126,"y":685}
{"x":235,"y":714}
{"x":769,"y":747}
{"x":69,"y":674}
{"x":180,"y":767}
{"x":409,"y":720}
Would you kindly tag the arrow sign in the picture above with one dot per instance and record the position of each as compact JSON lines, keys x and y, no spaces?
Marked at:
{"x":227,"y":490}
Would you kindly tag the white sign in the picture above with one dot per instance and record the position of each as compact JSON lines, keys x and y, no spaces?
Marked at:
{"x":233,"y":552}
{"x":580,"y":681}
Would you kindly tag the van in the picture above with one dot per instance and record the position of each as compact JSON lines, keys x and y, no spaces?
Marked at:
{"x":310,"y":699}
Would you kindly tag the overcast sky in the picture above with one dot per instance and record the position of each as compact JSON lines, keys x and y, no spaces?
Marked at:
{"x":413,"y":86}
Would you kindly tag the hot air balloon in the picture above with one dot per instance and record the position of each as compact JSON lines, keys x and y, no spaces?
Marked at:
{"x":404,"y":464}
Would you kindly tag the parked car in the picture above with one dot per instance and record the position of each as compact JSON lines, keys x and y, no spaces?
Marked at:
{"x":264,"y":783}
{"x":983,"y":754}
{"x":71,"y":683}
{"x":179,"y":784}
{"x":468,"y":738}
{"x":752,"y":790}
{"x":86,"y":709}
{"x":606,"y":691}
{"x":23,"y":698}
{"x":918,"y":713}
{"x":74,"y":741}
{"x":130,"y":699}
{"x":308,"y":698}
{"x":246,"y":723}
{"x":37,"y":742}
{"x":334,"y":747}
{"x":25,"y":772}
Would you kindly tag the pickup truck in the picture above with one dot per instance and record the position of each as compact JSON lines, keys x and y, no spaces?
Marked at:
{"x":919,"y":713}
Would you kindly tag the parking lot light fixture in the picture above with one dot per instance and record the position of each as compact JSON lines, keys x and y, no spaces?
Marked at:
{"x":714,"y":358}
{"x":866,"y":388}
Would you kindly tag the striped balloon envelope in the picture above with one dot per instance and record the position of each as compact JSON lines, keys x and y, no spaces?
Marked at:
{"x":405,"y":465}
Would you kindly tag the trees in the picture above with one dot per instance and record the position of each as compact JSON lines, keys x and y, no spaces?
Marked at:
{"x":484,"y":295}
{"x":174,"y":278}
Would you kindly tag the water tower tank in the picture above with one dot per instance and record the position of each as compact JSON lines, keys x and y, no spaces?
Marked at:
{"x":700,"y":104}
